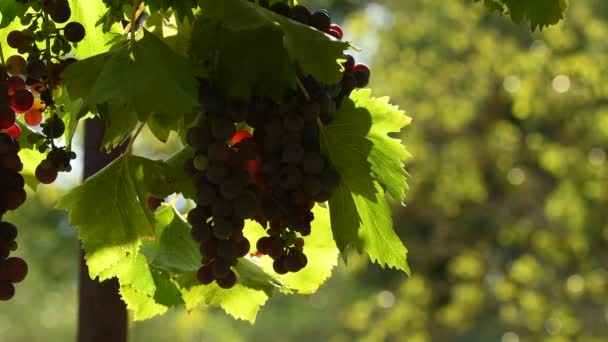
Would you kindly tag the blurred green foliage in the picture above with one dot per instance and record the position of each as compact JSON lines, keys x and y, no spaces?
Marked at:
{"x":506,"y":218}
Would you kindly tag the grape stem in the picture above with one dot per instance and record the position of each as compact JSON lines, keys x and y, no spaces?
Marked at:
{"x":1,"y":55}
{"x":134,"y":137}
{"x":49,"y":62}
{"x":302,"y":88}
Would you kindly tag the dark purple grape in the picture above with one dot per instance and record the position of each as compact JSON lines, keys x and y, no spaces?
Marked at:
{"x":7,"y":290}
{"x":279,"y":266}
{"x":221,"y":268}
{"x":228,"y":281}
{"x":205,"y":275}
{"x":320,"y":20}
{"x":8,"y":232}
{"x":13,"y":270}
{"x":74,"y":32}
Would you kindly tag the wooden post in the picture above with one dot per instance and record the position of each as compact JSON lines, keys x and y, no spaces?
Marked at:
{"x":102,"y":315}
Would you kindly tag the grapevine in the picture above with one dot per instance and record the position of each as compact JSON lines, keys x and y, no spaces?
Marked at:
{"x":285,"y":159}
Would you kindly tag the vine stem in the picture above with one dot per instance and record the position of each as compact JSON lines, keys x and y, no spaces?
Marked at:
{"x":2,"y":61}
{"x":303,"y":89}
{"x":134,"y":137}
{"x":49,"y":63}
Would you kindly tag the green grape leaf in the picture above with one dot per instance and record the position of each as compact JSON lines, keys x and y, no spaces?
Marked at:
{"x":319,"y":247}
{"x":11,"y":9}
{"x":183,"y":182}
{"x":360,"y":128}
{"x":173,"y":250}
{"x":119,"y":119}
{"x":30,"y":159}
{"x":366,"y":224}
{"x":539,"y":13}
{"x":74,"y":111}
{"x":251,"y":274}
{"x":142,"y":305}
{"x":236,"y":74}
{"x":29,"y":155}
{"x":112,"y":230}
{"x":301,"y":42}
{"x":95,"y":40}
{"x":132,"y":271}
{"x":241,"y":302}
{"x":358,"y":147}
{"x":148,"y":76}
{"x":166,"y":294}
{"x":183,"y":8}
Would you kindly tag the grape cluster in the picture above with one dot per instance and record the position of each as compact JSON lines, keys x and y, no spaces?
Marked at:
{"x":41,"y":26}
{"x":12,"y":195}
{"x":273,"y":171}
{"x":227,"y":194}
{"x":29,"y":84}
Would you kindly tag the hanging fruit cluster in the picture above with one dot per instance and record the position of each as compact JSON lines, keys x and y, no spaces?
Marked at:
{"x":273,"y":171}
{"x":30,"y":83}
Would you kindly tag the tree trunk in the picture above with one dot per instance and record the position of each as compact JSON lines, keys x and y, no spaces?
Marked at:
{"x":102,"y":315}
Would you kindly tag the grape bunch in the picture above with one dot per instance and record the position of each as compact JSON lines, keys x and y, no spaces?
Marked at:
{"x":29,"y":84}
{"x":226,"y":191}
{"x":12,"y":195}
{"x":272,"y":170}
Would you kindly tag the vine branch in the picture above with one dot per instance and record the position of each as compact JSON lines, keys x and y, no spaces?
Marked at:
{"x":2,"y":55}
{"x":302,"y":88}
{"x":134,"y":137}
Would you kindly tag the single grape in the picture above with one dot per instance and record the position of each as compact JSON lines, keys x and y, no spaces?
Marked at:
{"x":11,"y":162}
{"x":21,"y":101}
{"x":15,"y":64}
{"x":222,"y":129}
{"x":16,"y":39}
{"x":13,"y":270}
{"x":200,"y":162}
{"x":239,"y":136}
{"x":290,"y":177}
{"x":12,"y":199}
{"x":281,"y":8}
{"x":228,"y":281}
{"x":33,"y":117}
{"x":336,"y":31}
{"x":292,"y":153}
{"x":74,"y":32}
{"x":221,"y":268}
{"x":222,"y":229}
{"x":199,"y":215}
{"x":46,"y":173}
{"x":300,"y":14}
{"x":8,"y":232}
{"x":201,"y":232}
{"x":36,"y":69}
{"x":242,"y":247}
{"x":279,"y":266}
{"x":320,"y":20}
{"x":245,"y":205}
{"x":7,"y":118}
{"x":61,"y":12}
{"x":15,"y":83}
{"x":227,"y":249}
{"x":7,"y":290}
{"x":205,"y":275}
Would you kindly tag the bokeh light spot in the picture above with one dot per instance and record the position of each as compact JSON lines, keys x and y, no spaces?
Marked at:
{"x":509,"y":336}
{"x":561,"y":83}
{"x":385,"y":299}
{"x":511,"y":84}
